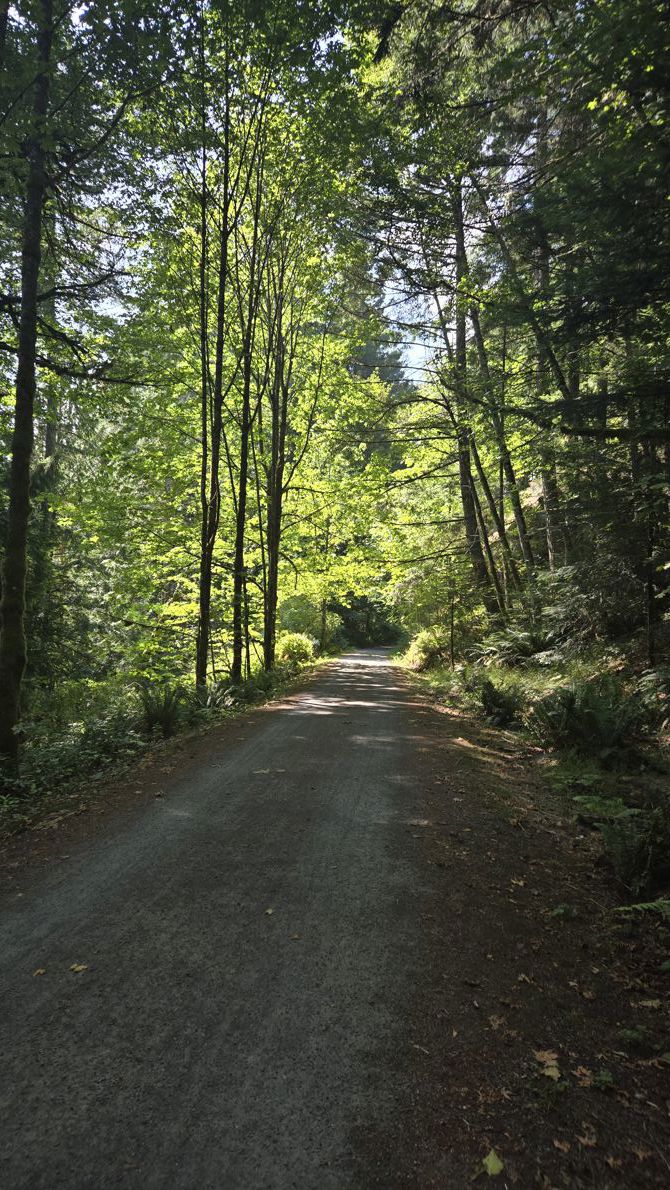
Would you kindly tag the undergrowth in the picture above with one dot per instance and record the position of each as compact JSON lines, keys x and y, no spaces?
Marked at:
{"x":597,"y":718}
{"x":100,"y":727}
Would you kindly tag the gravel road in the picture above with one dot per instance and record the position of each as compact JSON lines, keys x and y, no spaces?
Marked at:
{"x":248,"y":945}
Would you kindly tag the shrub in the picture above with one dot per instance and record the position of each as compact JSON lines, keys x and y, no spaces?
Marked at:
{"x":295,"y":648}
{"x":593,"y":601}
{"x":300,"y":614}
{"x":501,"y":707}
{"x":429,"y":649}
{"x":596,"y":717}
{"x":637,"y":844}
{"x":56,"y":756}
{"x":161,"y":706}
{"x":653,"y":693}
{"x":513,"y":646}
{"x":205,"y":702}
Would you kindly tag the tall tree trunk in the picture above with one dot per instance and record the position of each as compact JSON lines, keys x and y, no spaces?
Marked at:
{"x":547,"y":364}
{"x":495,"y":515}
{"x":540,"y":332}
{"x":273,"y":529}
{"x":468,"y":496}
{"x":12,"y":610}
{"x":213,"y":410}
{"x":240,"y":634}
{"x":488,"y":552}
{"x":205,"y":577}
{"x":552,"y":507}
{"x":4,"y":20}
{"x":505,"y":457}
{"x":239,"y":572}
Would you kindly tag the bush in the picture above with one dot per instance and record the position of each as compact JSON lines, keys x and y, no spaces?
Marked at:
{"x":637,"y":844}
{"x":513,"y":646}
{"x":300,"y":614}
{"x":653,"y":693}
{"x":429,"y":649}
{"x":161,"y":706}
{"x":596,"y":718}
{"x":295,"y":649}
{"x":54,"y":756}
{"x":501,"y":707}
{"x":590,"y":602}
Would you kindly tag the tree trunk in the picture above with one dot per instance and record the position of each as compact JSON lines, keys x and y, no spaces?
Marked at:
{"x":12,"y":610}
{"x":493,"y":509}
{"x":473,"y":539}
{"x":275,"y":484}
{"x":239,"y":569}
{"x":505,"y":457}
{"x":205,"y":577}
{"x":488,"y":552}
{"x":212,"y":409}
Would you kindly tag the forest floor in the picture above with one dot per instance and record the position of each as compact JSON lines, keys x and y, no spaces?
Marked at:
{"x":348,"y":940}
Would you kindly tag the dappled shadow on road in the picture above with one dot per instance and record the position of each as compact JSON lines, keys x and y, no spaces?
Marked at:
{"x":517,"y":959}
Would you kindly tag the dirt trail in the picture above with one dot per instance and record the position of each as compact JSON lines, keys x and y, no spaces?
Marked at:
{"x":325,"y":957}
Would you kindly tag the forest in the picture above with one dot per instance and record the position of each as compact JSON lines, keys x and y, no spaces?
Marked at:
{"x":330,"y":324}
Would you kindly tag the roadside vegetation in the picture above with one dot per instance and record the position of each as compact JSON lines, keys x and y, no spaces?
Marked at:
{"x":592,"y":714}
{"x":99,"y":730}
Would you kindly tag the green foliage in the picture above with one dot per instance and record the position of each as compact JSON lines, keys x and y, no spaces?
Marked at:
{"x":58,"y":756}
{"x":595,"y":717}
{"x":637,"y":845}
{"x":514,"y":646}
{"x":161,"y":707}
{"x":368,"y":621}
{"x":501,"y":707}
{"x":428,"y":649}
{"x":660,"y":906}
{"x":295,"y":648}
{"x":584,"y":603}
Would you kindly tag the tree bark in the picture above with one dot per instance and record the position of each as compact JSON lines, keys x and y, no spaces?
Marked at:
{"x":12,"y":610}
{"x":239,"y":569}
{"x":473,"y":538}
{"x":275,"y":493}
{"x":212,"y":410}
{"x":505,"y":457}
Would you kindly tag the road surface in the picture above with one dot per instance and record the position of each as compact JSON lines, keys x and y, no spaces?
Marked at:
{"x":249,"y":946}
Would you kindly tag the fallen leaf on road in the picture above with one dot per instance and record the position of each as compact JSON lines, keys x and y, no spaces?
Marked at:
{"x":549,"y":1062}
{"x":79,"y":967}
{"x":269,"y":912}
{"x":259,"y":772}
{"x":584,"y":1077}
{"x":40,"y":971}
{"x":492,"y":1164}
{"x":563,"y":1145}
{"x":588,"y":1140}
